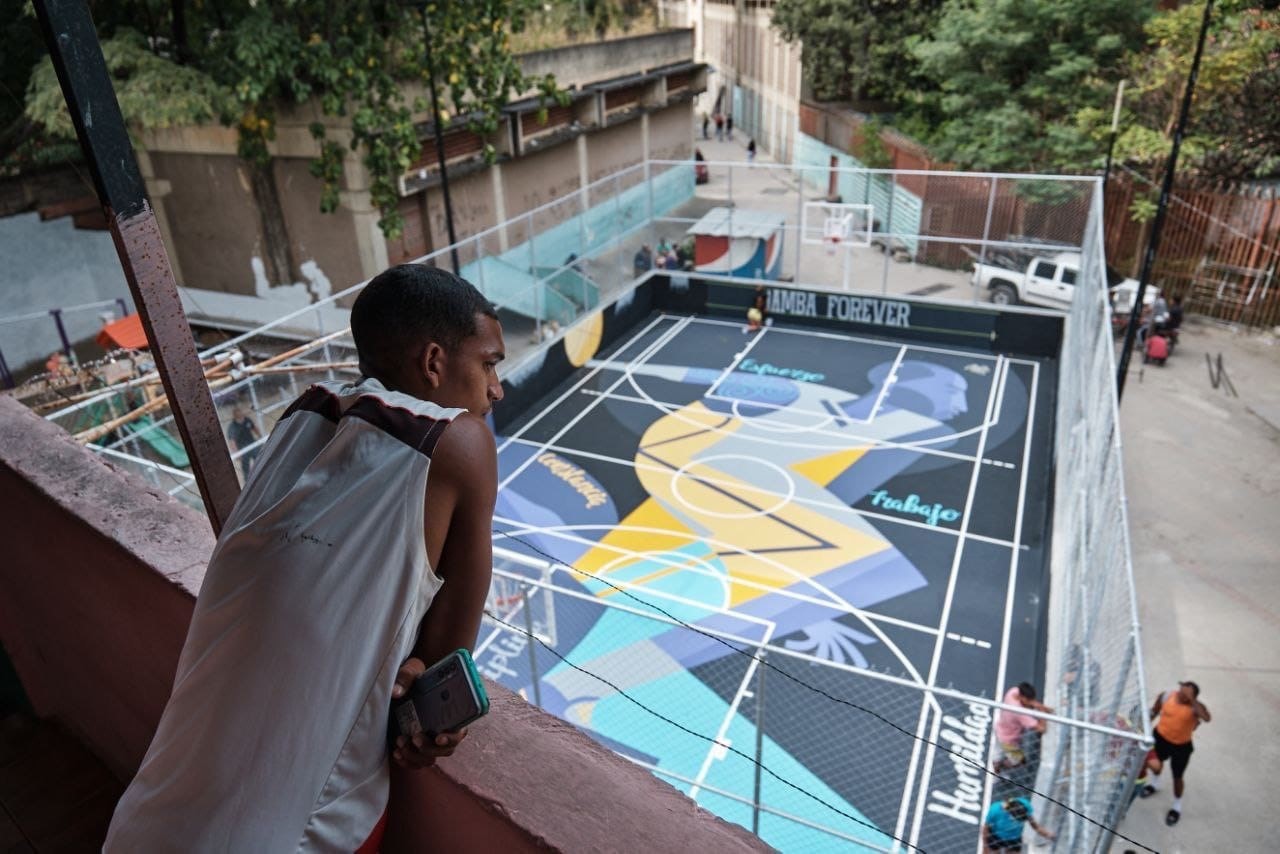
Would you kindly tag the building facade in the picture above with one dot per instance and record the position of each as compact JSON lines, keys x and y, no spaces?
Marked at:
{"x":753,"y":74}
{"x":630,"y":99}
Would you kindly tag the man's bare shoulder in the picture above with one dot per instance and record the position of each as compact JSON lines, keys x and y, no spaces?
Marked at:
{"x":466,"y":448}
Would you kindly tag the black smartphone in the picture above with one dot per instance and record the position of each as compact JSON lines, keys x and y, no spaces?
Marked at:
{"x":445,"y":698}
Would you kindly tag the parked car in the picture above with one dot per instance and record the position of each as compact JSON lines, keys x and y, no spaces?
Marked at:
{"x":1048,"y":280}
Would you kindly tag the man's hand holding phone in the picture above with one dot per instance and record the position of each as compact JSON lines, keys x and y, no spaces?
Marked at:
{"x":420,"y":751}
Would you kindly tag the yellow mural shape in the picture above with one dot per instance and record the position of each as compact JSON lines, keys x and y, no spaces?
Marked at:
{"x":765,"y":541}
{"x":826,"y":468}
{"x":583,"y":339}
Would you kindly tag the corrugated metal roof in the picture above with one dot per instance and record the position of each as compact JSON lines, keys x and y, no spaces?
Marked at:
{"x":733,"y":222}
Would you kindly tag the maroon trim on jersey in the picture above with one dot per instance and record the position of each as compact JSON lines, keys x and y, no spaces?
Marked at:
{"x":420,"y":432}
{"x":318,"y":400}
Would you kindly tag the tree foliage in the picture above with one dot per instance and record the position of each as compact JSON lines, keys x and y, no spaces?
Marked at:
{"x":856,"y":49}
{"x":1234,"y":127}
{"x":243,"y":62}
{"x":1014,"y":78}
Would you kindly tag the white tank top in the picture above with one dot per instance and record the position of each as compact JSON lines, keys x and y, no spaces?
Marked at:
{"x":274,"y":736}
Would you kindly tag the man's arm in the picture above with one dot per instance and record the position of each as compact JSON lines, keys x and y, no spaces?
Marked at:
{"x":461,"y":492}
{"x":1202,"y":712}
{"x":1155,"y":707}
{"x":469,"y":458}
{"x":1047,"y":834}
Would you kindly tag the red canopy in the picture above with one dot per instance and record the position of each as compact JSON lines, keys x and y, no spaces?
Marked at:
{"x":124,"y":333}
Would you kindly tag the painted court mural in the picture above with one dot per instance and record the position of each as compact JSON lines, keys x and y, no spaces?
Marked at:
{"x":865,"y":504}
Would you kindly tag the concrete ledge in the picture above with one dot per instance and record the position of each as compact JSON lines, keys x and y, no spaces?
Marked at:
{"x":96,"y":592}
{"x":96,"y":587}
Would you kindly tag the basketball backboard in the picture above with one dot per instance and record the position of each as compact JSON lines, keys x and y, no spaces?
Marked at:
{"x":835,"y":224}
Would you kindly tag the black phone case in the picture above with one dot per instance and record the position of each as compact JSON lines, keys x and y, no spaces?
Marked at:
{"x":443,"y":699}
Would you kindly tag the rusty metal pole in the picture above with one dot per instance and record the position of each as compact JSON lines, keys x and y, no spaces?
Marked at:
{"x":73,"y":46}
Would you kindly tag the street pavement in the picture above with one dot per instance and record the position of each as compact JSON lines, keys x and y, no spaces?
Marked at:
{"x":1202,"y":472}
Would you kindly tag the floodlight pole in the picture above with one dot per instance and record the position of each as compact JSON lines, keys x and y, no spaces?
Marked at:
{"x":439,"y":135}
{"x":1166,"y":189}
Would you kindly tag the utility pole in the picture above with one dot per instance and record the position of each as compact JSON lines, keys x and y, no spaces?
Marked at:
{"x":1166,"y":189}
{"x":439,"y":135}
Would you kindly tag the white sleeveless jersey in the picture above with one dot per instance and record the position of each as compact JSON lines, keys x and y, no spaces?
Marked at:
{"x":274,"y":738}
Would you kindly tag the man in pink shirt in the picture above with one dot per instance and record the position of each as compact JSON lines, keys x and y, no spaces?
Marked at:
{"x":1011,"y":726}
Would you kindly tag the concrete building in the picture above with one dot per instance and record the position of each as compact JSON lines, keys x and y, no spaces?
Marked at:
{"x":630,"y":99}
{"x":754,"y":75}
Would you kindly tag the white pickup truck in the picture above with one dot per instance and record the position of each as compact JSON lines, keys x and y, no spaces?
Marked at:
{"x":1048,"y":280}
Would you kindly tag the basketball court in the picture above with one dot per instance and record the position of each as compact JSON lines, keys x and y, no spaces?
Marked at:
{"x":847,"y":504}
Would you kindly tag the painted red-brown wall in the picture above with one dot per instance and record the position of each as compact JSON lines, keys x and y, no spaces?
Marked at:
{"x":97,"y":585}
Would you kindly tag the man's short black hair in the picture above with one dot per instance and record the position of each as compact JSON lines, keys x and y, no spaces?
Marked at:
{"x":1017,"y":810}
{"x":1195,"y":689}
{"x":1027,"y":690}
{"x":408,"y":306}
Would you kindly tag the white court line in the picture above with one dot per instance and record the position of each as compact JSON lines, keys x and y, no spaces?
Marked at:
{"x":569,"y":392}
{"x":889,"y":380}
{"x":737,"y":360}
{"x":813,"y":333}
{"x":980,"y":644}
{"x":721,"y":734}
{"x":740,"y":582}
{"x":808,"y":502}
{"x":928,"y":703}
{"x":673,"y":409}
{"x":845,"y":607}
{"x":993,"y":409}
{"x":1001,"y":673}
{"x":645,"y":354}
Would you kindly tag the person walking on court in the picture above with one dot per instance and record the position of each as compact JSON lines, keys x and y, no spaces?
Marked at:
{"x":751,"y":150}
{"x":1002,"y":829}
{"x":719,"y":128}
{"x":728,"y":126}
{"x":1179,"y":712}
{"x":706,"y":126}
{"x":1010,"y":727}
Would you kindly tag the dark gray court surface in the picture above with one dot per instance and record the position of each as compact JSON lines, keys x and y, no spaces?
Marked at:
{"x":865,"y":504}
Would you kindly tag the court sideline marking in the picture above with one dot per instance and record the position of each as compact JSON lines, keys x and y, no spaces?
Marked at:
{"x":1001,"y":673}
{"x":928,"y":702}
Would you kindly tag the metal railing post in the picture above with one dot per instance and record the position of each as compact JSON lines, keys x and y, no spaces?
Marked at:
{"x":986,"y":233}
{"x":799,"y":222}
{"x":56,"y":314}
{"x":72,"y":42}
{"x":755,"y":800}
{"x":888,"y":239}
{"x":533,"y":653}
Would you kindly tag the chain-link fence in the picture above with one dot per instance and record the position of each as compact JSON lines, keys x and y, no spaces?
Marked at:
{"x":1095,"y":652}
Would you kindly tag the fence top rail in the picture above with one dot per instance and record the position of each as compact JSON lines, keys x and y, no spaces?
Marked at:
{"x":36,"y":315}
{"x":1090,"y":180}
{"x":542,"y":563}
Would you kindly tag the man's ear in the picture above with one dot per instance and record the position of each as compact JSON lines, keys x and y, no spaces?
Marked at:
{"x":433,"y":364}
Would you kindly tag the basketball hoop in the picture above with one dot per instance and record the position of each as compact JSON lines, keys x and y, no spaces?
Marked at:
{"x":835,"y":230}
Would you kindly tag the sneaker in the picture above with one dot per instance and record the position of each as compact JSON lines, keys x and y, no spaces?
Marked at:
{"x":1147,"y":791}
{"x":1171,"y":817}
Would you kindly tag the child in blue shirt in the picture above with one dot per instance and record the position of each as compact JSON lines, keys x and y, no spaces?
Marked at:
{"x":1002,"y":831}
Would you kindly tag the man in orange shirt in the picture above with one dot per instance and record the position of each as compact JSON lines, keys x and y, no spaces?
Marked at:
{"x":1179,"y":713}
